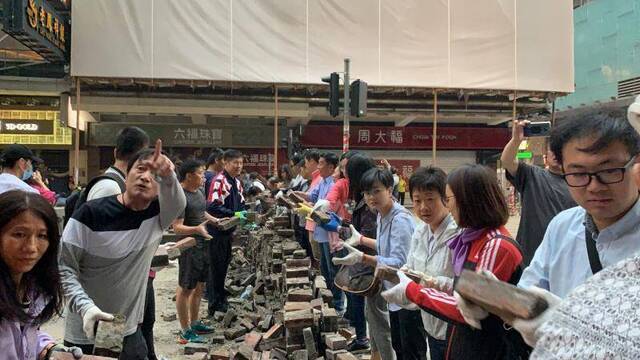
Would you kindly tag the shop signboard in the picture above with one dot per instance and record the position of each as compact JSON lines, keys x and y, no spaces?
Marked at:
{"x":404,"y":167}
{"x":188,"y":135}
{"x":406,"y":138}
{"x":38,"y":25}
{"x":26,"y":127}
{"x":261,"y":160}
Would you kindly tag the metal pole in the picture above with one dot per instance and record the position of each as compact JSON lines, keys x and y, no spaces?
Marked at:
{"x":275,"y":137}
{"x":435,"y":126}
{"x":515,"y":93}
{"x":76,"y":162}
{"x":347,"y":108}
{"x":553,"y":112}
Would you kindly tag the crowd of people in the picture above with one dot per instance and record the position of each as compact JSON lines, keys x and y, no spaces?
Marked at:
{"x":575,"y":247}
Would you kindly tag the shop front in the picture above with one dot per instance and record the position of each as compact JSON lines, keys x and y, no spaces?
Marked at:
{"x":42,"y":132}
{"x":184,"y":141}
{"x":406,"y":148}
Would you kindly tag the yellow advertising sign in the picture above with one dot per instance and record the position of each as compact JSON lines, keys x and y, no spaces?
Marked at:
{"x":61,"y":135}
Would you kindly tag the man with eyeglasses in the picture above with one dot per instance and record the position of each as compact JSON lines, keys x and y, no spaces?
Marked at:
{"x":596,"y":153}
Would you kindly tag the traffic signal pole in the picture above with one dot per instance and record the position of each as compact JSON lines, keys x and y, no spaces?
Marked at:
{"x":346,"y":110}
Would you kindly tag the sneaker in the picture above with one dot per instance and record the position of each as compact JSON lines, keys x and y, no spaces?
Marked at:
{"x":357,"y":346}
{"x":188,"y":336}
{"x":199,"y":328}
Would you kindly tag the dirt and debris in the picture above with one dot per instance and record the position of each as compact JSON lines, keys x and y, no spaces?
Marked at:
{"x":279,"y":306}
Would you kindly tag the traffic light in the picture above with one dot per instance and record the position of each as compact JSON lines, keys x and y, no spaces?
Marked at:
{"x":334,"y":93}
{"x":358,"y":98}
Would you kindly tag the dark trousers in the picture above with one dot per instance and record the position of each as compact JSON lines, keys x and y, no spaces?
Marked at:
{"x":219,"y":259}
{"x":437,"y":348}
{"x":149,"y":319}
{"x":408,"y":338}
{"x":401,"y":198}
{"x":329,"y":271}
{"x":355,"y":310}
{"x":302,"y":237}
{"x":134,"y":347}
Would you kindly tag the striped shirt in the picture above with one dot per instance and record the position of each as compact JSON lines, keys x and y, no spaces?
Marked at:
{"x":106,"y":253}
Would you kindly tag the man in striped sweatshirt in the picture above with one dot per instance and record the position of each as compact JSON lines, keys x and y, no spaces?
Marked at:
{"x":107,"y":248}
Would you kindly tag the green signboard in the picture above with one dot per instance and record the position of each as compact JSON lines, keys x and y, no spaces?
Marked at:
{"x":525,"y":155}
{"x":189,"y":135}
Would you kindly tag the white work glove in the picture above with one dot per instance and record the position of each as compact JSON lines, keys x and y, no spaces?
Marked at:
{"x":633,"y":114}
{"x":472,"y":313}
{"x":356,"y":237}
{"x":322,"y":205}
{"x":398,"y":294}
{"x":440,"y":283}
{"x":89,"y":319}
{"x":73,"y":350}
{"x":528,"y":328}
{"x":354,"y":257}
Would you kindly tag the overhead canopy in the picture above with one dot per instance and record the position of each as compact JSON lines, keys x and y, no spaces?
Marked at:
{"x":479,"y":44}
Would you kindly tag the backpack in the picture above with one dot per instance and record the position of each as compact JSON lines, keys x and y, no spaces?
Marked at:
{"x":75,"y":200}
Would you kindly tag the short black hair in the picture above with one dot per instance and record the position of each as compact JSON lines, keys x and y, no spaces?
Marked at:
{"x":376,"y":175}
{"x":253,"y":191}
{"x":189,"y":166}
{"x":129,"y":141}
{"x":312,"y":154}
{"x":356,"y":167}
{"x":428,"y":178}
{"x":605,"y":127}
{"x":286,"y":170}
{"x":296,"y":159}
{"x":231,"y":154}
{"x":330,"y":158}
{"x":479,"y":198}
{"x":348,"y":155}
{"x":140,"y":155}
{"x":215,"y":155}
{"x":253,"y":175}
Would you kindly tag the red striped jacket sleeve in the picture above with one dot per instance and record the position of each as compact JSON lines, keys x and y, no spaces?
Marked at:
{"x":497,"y":256}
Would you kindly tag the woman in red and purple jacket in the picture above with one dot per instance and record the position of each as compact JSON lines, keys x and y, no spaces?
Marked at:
{"x":476,"y":202}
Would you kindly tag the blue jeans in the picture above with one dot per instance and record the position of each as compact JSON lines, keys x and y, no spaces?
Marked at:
{"x":329,"y":271}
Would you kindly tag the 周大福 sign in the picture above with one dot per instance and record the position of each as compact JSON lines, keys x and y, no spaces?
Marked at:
{"x":26,"y":127}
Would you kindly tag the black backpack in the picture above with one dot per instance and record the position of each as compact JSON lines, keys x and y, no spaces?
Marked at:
{"x":75,"y":200}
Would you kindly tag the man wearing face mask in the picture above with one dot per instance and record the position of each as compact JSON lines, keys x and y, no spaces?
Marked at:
{"x":17,"y":166}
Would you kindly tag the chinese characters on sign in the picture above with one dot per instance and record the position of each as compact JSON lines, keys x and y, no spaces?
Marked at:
{"x":407,"y":138}
{"x":47,"y":24}
{"x":196,"y":136}
{"x":261,"y":160}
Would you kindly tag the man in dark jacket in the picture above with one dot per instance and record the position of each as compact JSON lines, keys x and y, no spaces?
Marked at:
{"x":225,"y":200}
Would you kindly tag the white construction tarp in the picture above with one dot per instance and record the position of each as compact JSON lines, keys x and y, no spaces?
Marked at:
{"x":478,"y":44}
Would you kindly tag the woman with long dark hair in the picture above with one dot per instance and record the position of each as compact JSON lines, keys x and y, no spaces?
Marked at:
{"x":484,"y":244}
{"x":30,"y":290}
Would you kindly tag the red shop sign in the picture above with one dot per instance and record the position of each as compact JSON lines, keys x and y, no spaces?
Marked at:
{"x":406,"y":138}
{"x":261,"y":160}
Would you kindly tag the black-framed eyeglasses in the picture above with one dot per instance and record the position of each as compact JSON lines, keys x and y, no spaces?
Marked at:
{"x":606,"y":176}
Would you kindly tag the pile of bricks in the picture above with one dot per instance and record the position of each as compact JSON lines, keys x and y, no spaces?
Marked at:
{"x":289,"y":314}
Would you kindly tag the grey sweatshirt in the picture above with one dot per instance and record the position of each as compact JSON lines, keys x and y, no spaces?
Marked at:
{"x":106,"y":253}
